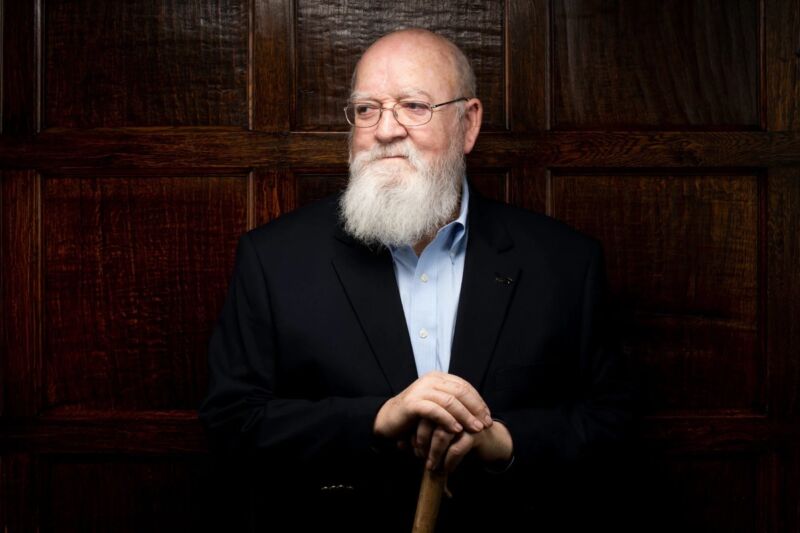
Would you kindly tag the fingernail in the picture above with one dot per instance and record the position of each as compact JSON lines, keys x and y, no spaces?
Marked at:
{"x":477,"y":426}
{"x":429,"y":465}
{"x":488,"y":420}
{"x":458,"y":427}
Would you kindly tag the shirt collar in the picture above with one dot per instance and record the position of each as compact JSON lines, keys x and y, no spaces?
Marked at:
{"x":459,"y":225}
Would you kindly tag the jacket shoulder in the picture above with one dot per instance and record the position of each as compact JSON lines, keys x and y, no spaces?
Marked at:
{"x":542,"y":231}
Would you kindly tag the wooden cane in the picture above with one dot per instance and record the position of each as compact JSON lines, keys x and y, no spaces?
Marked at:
{"x":430,"y":496}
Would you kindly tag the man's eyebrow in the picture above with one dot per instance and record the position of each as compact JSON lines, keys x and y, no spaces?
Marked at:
{"x":413,"y":92}
{"x":410,"y":92}
{"x":360,"y":96}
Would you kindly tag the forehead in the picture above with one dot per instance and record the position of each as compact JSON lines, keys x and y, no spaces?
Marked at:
{"x":405,"y":66}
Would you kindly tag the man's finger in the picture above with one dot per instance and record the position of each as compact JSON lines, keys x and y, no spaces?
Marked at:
{"x":440,"y":440}
{"x":422,"y":438}
{"x":453,"y":405}
{"x":436,"y":414}
{"x":467,"y":396}
{"x":458,"y":449}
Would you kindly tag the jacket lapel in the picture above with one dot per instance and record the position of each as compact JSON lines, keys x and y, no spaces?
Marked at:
{"x":368,"y":279}
{"x":491,"y":273}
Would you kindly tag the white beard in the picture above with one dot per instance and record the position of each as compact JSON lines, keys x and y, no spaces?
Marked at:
{"x":388,"y":203}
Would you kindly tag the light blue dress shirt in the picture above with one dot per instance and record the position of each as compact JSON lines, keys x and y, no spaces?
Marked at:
{"x":430,"y":286}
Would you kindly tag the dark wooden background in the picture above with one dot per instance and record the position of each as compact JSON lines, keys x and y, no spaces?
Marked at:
{"x":140,"y":138}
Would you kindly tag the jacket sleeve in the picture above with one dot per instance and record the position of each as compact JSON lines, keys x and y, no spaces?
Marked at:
{"x":243,"y":413}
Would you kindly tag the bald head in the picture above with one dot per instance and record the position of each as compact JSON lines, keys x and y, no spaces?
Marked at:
{"x":443,"y":56}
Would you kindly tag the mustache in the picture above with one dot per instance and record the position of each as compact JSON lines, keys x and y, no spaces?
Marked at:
{"x":381,"y":151}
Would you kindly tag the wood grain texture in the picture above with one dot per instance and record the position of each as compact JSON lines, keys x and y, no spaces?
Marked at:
{"x":783,"y":330}
{"x":76,"y":430}
{"x":668,"y":65}
{"x":145,"y":62}
{"x":528,"y":64}
{"x":85,"y":494}
{"x":529,"y":185}
{"x":782,"y":33}
{"x":676,"y":244}
{"x":225,"y":148}
{"x":20,"y":54}
{"x":20,"y":294}
{"x":20,"y":507}
{"x":790,"y":490}
{"x":332,"y":34}
{"x":682,"y":254}
{"x":698,"y":493}
{"x":273,"y":194}
{"x":272,"y":65}
{"x":136,"y":270}
{"x":783,"y":292}
{"x":313,"y":186}
{"x":769,"y":507}
{"x":692,"y":365}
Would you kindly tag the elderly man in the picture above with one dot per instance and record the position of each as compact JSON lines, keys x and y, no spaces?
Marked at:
{"x":409,"y":324}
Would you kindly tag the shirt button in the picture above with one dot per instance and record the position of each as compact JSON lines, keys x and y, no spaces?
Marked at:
{"x":424,"y":278}
{"x":423,"y":333}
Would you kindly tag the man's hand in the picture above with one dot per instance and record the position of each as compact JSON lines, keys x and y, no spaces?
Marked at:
{"x":443,"y":399}
{"x":437,"y":444}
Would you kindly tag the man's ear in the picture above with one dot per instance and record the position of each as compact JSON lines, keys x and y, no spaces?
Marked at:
{"x":473,"y":116}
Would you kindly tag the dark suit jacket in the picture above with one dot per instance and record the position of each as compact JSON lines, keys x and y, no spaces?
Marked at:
{"x":312,"y":341}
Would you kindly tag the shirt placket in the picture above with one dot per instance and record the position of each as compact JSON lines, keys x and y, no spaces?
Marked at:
{"x":424,"y":310}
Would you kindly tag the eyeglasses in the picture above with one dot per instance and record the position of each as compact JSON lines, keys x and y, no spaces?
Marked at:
{"x":407,"y":113}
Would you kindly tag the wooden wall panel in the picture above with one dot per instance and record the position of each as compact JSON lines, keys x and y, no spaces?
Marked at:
{"x":273,"y":194}
{"x":145,"y":63}
{"x":782,"y":35}
{"x":139,"y":224}
{"x":19,"y":104}
{"x":136,"y":270}
{"x":683,"y":254}
{"x":529,"y":187}
{"x":666,"y":65}
{"x":783,"y":292}
{"x":20,"y":506}
{"x":693,"y":365}
{"x":312,"y":186}
{"x":676,"y":244}
{"x":708,"y":493}
{"x":528,"y":64}
{"x":332,"y":34}
{"x":272,"y":65}
{"x":20,"y":294}
{"x":86,"y":494}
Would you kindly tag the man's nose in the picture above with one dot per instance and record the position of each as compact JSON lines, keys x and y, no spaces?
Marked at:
{"x":388,"y":129}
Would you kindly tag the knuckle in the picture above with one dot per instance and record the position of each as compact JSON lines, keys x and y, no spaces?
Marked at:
{"x":457,"y":451}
